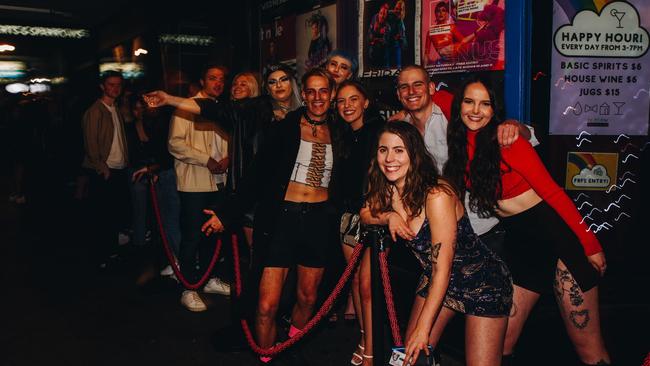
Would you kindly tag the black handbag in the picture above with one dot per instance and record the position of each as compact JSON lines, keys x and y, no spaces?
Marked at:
{"x":398,"y":355}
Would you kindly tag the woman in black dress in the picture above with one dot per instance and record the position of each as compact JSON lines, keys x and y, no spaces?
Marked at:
{"x":460,"y":274}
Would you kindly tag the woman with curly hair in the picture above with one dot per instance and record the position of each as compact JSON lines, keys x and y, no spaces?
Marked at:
{"x":460,"y":274}
{"x":546,"y":241}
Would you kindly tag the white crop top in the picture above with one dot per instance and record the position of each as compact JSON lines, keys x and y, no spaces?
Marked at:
{"x":313,"y":165}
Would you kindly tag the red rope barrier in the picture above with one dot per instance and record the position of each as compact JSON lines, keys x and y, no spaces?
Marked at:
{"x":168,"y":251}
{"x":325,"y":308}
{"x":646,"y":362}
{"x":237,"y":269}
{"x":390,"y":305}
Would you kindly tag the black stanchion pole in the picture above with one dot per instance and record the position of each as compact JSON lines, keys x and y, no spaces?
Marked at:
{"x":231,"y":337}
{"x":378,"y":300}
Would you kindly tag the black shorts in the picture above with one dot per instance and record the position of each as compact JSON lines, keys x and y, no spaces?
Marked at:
{"x":301,"y":236}
{"x":535,"y":239}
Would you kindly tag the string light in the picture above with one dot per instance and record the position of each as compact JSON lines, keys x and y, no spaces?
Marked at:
{"x":21,"y":30}
{"x":190,"y":39}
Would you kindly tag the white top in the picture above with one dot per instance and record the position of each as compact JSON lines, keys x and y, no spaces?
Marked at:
{"x":116,"y":158}
{"x":313,"y":165}
{"x":435,"y":136}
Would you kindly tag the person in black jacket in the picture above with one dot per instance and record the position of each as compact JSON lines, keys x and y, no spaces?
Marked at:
{"x":359,"y":145}
{"x":245,"y":120}
{"x":289,"y":184}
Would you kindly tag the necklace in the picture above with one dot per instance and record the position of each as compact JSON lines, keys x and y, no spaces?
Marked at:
{"x":314,"y":123}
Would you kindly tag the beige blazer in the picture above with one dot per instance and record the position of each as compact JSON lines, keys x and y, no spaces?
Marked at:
{"x":191,"y":140}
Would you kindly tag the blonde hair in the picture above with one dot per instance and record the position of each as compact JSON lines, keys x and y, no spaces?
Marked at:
{"x":254,"y":85}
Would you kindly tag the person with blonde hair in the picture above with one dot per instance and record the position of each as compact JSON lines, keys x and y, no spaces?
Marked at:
{"x":244,"y":85}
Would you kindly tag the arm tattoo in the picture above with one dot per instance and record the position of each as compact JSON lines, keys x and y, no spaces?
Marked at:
{"x":580,"y":319}
{"x":435,"y":251}
{"x":564,"y":282}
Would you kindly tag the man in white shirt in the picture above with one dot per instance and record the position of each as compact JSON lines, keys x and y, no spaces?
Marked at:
{"x":415,"y":90}
{"x":201,"y":160}
{"x":106,"y":153}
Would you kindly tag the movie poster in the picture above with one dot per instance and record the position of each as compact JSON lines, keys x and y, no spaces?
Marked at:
{"x":600,"y":68}
{"x":315,"y":37}
{"x":462,"y":35}
{"x":278,"y":42}
{"x":386,"y":34}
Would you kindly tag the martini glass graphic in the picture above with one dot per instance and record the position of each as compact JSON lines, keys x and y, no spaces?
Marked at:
{"x":618,"y":106}
{"x":618,"y":15}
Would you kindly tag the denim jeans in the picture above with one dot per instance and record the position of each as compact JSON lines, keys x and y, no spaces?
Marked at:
{"x":170,"y":208}
{"x":139,"y":206}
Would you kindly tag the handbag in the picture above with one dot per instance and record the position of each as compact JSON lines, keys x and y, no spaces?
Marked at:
{"x":398,"y":356}
{"x":350,"y":229}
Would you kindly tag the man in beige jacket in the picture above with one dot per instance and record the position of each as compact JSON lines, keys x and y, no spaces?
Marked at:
{"x":201,"y":160}
{"x":107,"y":154}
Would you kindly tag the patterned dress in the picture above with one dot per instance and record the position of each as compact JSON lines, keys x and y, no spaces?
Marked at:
{"x":480,"y":283}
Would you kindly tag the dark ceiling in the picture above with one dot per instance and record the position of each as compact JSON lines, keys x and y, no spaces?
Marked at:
{"x":62,"y":13}
{"x":94,"y":14}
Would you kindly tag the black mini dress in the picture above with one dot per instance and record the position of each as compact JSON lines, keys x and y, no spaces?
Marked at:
{"x":480,"y":282}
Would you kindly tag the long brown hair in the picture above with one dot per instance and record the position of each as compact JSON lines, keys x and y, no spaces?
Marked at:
{"x":484,"y":173}
{"x":421,"y":177}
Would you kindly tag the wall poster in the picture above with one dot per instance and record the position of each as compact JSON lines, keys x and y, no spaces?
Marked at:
{"x":462,"y":35}
{"x":591,"y":171}
{"x":386,"y":36}
{"x":600,"y":68}
{"x":315,"y":37}
{"x":278,"y":42}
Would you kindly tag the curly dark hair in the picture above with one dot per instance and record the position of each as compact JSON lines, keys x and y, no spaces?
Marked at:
{"x":422,"y":175}
{"x":483,"y":180}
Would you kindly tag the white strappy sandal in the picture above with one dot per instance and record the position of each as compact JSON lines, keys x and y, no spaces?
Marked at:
{"x":357,"y":357}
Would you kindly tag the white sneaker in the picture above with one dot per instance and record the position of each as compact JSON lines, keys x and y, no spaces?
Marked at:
{"x":192,"y":301}
{"x":167,"y":271}
{"x":217,"y":286}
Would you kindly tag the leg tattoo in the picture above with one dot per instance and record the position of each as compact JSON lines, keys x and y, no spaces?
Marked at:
{"x":564,"y":282}
{"x":580,"y":319}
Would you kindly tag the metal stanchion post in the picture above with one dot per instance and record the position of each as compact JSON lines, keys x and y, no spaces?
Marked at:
{"x":378,"y":300}
{"x":231,"y":337}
